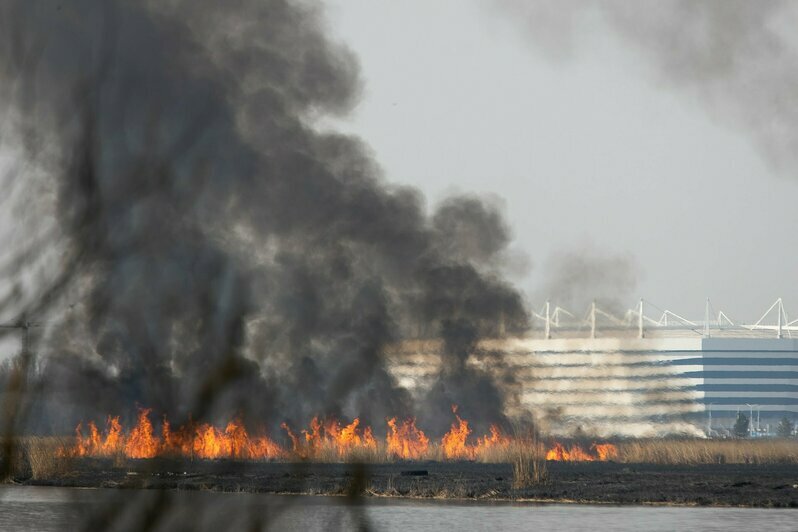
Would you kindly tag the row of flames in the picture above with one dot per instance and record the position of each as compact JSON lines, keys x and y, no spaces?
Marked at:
{"x":322,"y":439}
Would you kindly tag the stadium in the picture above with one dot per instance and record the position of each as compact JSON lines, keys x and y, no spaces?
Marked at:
{"x":637,"y":375}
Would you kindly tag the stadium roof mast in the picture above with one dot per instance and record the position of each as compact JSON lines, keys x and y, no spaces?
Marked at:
{"x":782,"y":322}
{"x":556,"y":317}
{"x":548,"y":320}
{"x":640,"y":320}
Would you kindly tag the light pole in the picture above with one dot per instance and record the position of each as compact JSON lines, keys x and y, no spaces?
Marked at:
{"x":709,"y":427}
{"x":750,"y":420}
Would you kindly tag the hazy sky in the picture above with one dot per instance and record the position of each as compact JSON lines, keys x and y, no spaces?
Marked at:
{"x":589,"y":153}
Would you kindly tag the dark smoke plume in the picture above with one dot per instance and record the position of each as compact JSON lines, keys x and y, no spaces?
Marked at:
{"x":737,"y":58}
{"x":573,"y":279}
{"x":217,"y":253}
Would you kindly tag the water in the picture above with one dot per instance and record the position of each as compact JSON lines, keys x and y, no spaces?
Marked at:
{"x":51,"y":509}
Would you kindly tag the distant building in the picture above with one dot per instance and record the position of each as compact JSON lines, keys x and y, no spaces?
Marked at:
{"x":678,"y":376}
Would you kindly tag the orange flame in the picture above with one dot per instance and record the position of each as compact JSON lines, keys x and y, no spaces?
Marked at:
{"x":602,"y":453}
{"x":605,"y":451}
{"x":232,"y":442}
{"x":406,"y":441}
{"x":494,"y":441}
{"x":141,"y":443}
{"x":296,"y":444}
{"x":202,"y":441}
{"x":454,"y":442}
{"x":330,"y":435}
{"x":323,"y":439}
{"x":95,"y":444}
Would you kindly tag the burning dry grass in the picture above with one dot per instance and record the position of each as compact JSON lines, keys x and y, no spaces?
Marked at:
{"x":405,"y":440}
{"x":330,"y":440}
{"x":694,"y":452}
{"x":324,"y":440}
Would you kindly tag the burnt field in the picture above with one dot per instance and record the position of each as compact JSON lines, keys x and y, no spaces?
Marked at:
{"x":760,"y":485}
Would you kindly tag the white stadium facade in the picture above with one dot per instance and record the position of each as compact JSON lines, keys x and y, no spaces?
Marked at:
{"x":636,"y":375}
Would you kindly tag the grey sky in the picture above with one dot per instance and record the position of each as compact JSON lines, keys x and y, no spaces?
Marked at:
{"x":592,"y":153}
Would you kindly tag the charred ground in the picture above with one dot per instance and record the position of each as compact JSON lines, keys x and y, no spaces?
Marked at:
{"x":750,"y":485}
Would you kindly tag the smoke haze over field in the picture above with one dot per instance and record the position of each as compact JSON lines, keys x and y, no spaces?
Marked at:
{"x":648,"y":130}
{"x":220,"y":255}
{"x":575,"y":278}
{"x":737,"y":58}
{"x":204,"y":232}
{"x":310,"y":211}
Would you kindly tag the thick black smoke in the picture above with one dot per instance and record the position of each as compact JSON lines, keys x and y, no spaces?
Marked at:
{"x":221,"y":255}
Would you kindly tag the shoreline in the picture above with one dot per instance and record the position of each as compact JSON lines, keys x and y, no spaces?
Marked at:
{"x":593,"y":483}
{"x":370,"y":497}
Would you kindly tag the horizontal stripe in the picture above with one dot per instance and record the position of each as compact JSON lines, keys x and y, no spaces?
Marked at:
{"x":748,"y":369}
{"x":746,"y":354}
{"x":740,"y":361}
{"x":789,"y":395}
{"x":753,"y":382}
{"x":607,"y":385}
{"x":743,"y":374}
{"x":573,"y":362}
{"x":605,"y":397}
{"x":602,"y":371}
{"x":675,"y":379}
{"x":748,"y":387}
{"x":752,"y":400}
{"x":786,"y":365}
{"x":640,"y":394}
{"x":742,"y":407}
{"x":646,"y":410}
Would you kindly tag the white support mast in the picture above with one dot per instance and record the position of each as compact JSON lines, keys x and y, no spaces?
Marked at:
{"x":548,"y":320}
{"x":640,"y":320}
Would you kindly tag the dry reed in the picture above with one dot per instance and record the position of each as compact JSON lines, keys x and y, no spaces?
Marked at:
{"x":39,"y":457}
{"x":696,"y":451}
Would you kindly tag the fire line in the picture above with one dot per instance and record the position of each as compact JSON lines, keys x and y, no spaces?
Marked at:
{"x":324,"y":439}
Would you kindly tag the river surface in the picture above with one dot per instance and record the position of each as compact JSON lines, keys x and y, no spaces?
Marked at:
{"x":46,"y":509}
